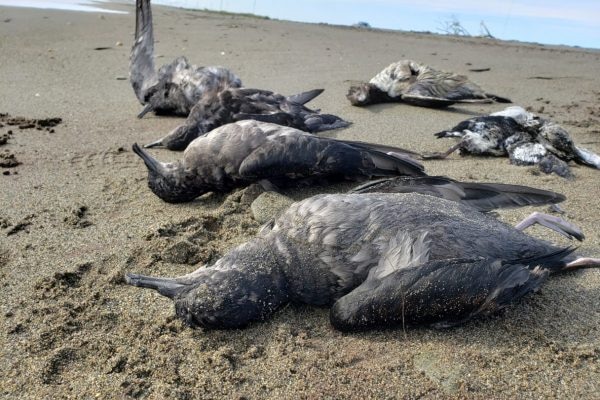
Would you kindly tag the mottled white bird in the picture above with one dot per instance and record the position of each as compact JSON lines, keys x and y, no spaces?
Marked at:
{"x":522,"y":136}
{"x":410,"y":82}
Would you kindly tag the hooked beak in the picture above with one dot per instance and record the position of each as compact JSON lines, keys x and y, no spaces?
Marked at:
{"x":165,"y":286}
{"x":146,"y":110}
{"x":151,"y":163}
{"x":158,"y":143}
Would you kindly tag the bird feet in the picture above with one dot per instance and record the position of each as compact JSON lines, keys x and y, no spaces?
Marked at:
{"x":557,"y":224}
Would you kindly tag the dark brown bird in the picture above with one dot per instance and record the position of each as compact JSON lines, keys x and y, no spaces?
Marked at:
{"x":379,"y":260}
{"x":243,"y":152}
{"x":218,"y":108}
{"x":177,"y":86}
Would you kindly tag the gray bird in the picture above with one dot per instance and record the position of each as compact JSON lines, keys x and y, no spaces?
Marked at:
{"x":217,"y":108}
{"x":248,"y":151}
{"x":378,"y":260}
{"x":177,"y":86}
{"x":522,"y":136}
{"x":483,"y":197}
{"x":418,"y":84}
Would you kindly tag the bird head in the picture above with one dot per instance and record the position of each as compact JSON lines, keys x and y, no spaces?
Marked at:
{"x":359,"y":95}
{"x":168,"y":180}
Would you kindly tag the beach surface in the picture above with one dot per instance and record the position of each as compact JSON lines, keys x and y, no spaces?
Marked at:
{"x":77,"y":215}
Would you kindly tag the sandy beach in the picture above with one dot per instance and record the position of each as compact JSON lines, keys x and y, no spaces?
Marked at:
{"x":77,"y":215}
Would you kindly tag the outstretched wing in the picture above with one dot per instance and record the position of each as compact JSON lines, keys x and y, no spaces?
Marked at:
{"x":305,"y":97}
{"x":142,"y":72}
{"x":481,"y":196}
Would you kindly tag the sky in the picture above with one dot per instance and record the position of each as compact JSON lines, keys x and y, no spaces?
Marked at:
{"x":573,"y":23}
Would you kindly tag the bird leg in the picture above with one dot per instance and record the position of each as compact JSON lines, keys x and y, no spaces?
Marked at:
{"x":582,"y":262}
{"x":557,"y":224}
{"x":443,"y":155}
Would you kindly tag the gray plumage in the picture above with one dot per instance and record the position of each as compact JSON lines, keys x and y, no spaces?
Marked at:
{"x":426,"y":260}
{"x":217,"y":108}
{"x":522,"y":136}
{"x":177,"y":86}
{"x":421,"y":85}
{"x":483,"y":197}
{"x":249,"y":151}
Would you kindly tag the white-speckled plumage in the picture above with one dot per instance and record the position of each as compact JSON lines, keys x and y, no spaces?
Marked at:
{"x":522,"y":136}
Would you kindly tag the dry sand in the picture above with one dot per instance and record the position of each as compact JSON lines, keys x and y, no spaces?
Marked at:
{"x":76,"y":215}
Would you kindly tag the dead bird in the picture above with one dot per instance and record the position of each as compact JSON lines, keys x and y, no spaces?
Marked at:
{"x":421,"y":85}
{"x":248,"y":151}
{"x":522,"y":136}
{"x":379,"y":260}
{"x":177,"y":86}
{"x":217,"y":108}
{"x":483,"y":197}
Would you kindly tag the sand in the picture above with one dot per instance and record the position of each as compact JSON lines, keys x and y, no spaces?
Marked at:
{"x":77,"y":214}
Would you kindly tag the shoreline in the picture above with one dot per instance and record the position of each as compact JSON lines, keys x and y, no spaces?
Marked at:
{"x":341,"y":26}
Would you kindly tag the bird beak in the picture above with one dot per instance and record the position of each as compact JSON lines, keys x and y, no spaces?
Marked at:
{"x":151,"y":163}
{"x":146,"y":110}
{"x":157,"y":143}
{"x":165,"y":286}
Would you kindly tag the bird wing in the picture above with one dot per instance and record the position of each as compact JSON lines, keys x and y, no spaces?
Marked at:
{"x":298,"y":155}
{"x":426,"y":101}
{"x":442,"y":293}
{"x":304,"y":97}
{"x":142,"y":72}
{"x":481,"y":196}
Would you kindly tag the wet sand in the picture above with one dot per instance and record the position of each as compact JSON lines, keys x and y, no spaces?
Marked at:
{"x":77,"y":214}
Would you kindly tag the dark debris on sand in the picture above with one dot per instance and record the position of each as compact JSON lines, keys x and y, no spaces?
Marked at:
{"x":8,"y":160}
{"x":27,"y":123}
{"x":19,"y":226}
{"x":77,"y":217}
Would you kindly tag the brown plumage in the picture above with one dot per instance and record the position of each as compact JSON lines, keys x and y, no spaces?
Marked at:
{"x":218,"y":108}
{"x":177,"y":86}
{"x":249,"y":151}
{"x":379,"y":260}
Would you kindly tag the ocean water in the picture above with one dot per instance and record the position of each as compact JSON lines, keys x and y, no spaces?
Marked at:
{"x":573,"y":23}
{"x":71,"y":5}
